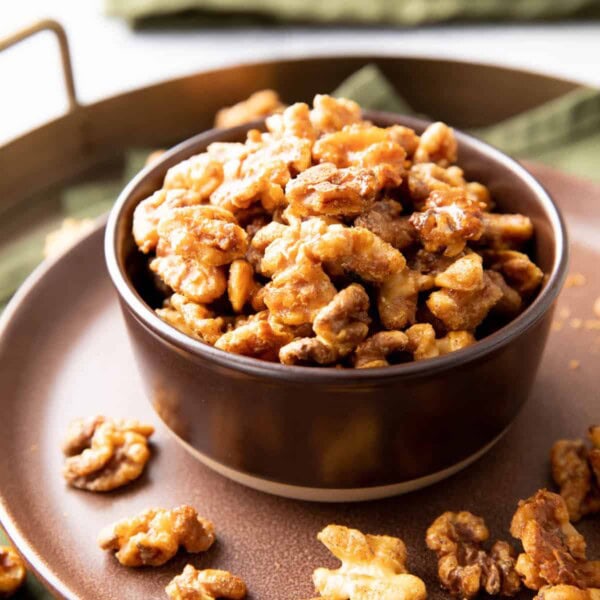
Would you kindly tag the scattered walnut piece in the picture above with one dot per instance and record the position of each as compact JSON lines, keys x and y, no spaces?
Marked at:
{"x":373,"y":566}
{"x":208,"y":584}
{"x":375,"y":351}
{"x":104,"y":454}
{"x":154,"y":536}
{"x":259,"y":104}
{"x":12,"y":571}
{"x":464,"y":567}
{"x":574,"y":364}
{"x":555,"y":552}
{"x":575,"y":280}
{"x":69,"y":232}
{"x":567,"y":592}
{"x":576,"y":471}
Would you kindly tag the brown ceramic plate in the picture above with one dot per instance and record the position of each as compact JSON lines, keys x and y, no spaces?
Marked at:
{"x":64,"y":353}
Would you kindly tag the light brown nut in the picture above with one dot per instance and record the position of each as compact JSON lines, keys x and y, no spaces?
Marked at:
{"x":406,"y":137}
{"x":344,"y":322}
{"x":153,"y":537}
{"x":207,"y":584}
{"x":437,"y":145}
{"x":555,"y":552}
{"x":384,"y":219}
{"x":375,"y":351}
{"x":464,"y":567}
{"x":423,"y":343}
{"x":195,"y":281}
{"x":259,"y":104}
{"x":308,"y":351}
{"x":359,"y":251}
{"x":326,"y":190}
{"x":148,"y":212}
{"x":207,"y":234}
{"x":200,"y":173}
{"x":373,"y":566}
{"x":296,"y":294}
{"x":104,"y":454}
{"x":424,"y":178}
{"x":519,"y":271}
{"x":459,"y":310}
{"x":502,"y":231}
{"x":240,"y":284}
{"x":12,"y":571}
{"x":448,"y":222}
{"x":567,"y":592}
{"x":331,"y":114}
{"x":293,"y":122}
{"x":464,"y":274}
{"x":257,"y":337}
{"x":192,"y":319}
{"x":511,"y":302}
{"x":397,"y":299}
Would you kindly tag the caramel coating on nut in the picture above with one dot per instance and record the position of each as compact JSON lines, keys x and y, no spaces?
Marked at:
{"x":518,"y":270}
{"x":331,"y":114}
{"x":375,"y":350}
{"x":104,"y":454}
{"x":373,"y":566}
{"x":153,"y":537}
{"x":384,"y":219}
{"x":554,"y":551}
{"x":12,"y":571}
{"x":207,"y":584}
{"x":437,"y":145}
{"x":259,"y":104}
{"x":201,"y":174}
{"x":567,"y":592}
{"x":240,"y":284}
{"x":423,"y":344}
{"x":505,"y":231}
{"x":464,"y":567}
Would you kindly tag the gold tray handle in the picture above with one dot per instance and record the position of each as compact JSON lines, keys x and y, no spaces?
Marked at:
{"x":63,"y":44}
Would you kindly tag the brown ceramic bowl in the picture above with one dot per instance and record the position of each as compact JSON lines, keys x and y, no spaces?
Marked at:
{"x":339,"y":435}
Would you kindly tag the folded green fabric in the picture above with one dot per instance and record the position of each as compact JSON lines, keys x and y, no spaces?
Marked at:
{"x":400,"y":12}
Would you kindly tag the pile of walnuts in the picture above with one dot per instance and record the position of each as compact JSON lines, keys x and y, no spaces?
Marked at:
{"x":327,"y":240}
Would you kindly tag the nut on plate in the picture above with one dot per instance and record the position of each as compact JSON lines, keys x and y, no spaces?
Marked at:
{"x":465,"y":568}
{"x":155,"y":536}
{"x":104,"y":454}
{"x":12,"y":571}
{"x":567,"y":592}
{"x":208,"y":584}
{"x":373,"y":566}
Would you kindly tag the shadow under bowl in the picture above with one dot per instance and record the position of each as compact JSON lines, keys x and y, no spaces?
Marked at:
{"x":339,"y":435}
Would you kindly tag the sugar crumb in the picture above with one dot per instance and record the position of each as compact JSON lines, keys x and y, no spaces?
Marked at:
{"x":556,"y":325}
{"x":564,"y":312}
{"x":576,"y":323}
{"x":575,"y":280}
{"x":574,"y":364}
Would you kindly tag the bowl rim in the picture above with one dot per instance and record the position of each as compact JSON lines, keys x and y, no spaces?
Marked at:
{"x":292,"y":373}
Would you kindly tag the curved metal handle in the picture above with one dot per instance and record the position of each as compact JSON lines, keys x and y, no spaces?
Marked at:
{"x":63,"y":44}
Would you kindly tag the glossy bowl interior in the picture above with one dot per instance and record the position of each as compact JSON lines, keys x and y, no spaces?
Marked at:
{"x":289,"y":403}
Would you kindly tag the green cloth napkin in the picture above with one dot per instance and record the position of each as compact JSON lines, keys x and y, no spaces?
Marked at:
{"x":398,"y":12}
{"x":564,"y":133}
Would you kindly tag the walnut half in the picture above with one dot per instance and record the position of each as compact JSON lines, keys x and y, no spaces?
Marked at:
{"x":208,"y":584}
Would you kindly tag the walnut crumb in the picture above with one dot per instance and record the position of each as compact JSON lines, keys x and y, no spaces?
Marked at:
{"x":576,"y":323}
{"x":574,"y":364}
{"x":575,"y":280}
{"x":556,"y":325}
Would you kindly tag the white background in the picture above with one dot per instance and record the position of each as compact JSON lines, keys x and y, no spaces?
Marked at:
{"x":109,"y":57}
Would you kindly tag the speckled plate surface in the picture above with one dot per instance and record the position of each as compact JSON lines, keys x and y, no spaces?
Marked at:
{"x":64,"y":353}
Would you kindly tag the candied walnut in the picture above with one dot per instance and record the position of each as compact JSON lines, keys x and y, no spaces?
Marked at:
{"x":464,"y":310}
{"x":423,"y":343}
{"x":104,"y":454}
{"x":384,"y":220}
{"x":153,"y":537}
{"x":344,"y":322}
{"x":331,"y":114}
{"x":511,"y":303}
{"x":576,"y":471}
{"x":567,"y":592}
{"x":448,"y":222}
{"x":293,"y":122}
{"x":555,"y":552}
{"x":192,"y":319}
{"x":12,"y":571}
{"x":397,"y":299}
{"x":517,"y":269}
{"x":405,"y":136}
{"x":200,"y":173}
{"x":326,"y":190}
{"x":464,"y":274}
{"x":464,"y":567}
{"x":502,"y":231}
{"x":375,"y":350}
{"x":259,"y":104}
{"x":257,"y":337}
{"x":424,"y":178}
{"x":207,"y":234}
{"x":437,"y":145}
{"x":241,"y":284}
{"x":373,"y":566}
{"x":308,"y":351}
{"x":296,"y":294}
{"x":197,"y":282}
{"x":359,"y":251}
{"x":208,"y":584}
